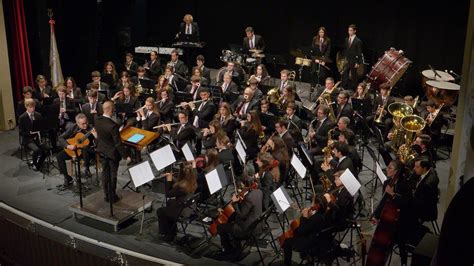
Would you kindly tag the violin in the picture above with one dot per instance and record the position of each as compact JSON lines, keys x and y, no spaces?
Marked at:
{"x":295,"y":224}
{"x":228,"y":210}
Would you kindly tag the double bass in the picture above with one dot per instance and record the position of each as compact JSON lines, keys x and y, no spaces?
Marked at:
{"x":386,"y":228}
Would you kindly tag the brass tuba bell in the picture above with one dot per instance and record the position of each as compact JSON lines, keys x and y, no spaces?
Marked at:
{"x":411,"y":125}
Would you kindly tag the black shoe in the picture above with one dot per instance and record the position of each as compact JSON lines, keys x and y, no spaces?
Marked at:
{"x":87,"y":173}
{"x":35,"y":167}
{"x":68,"y":181}
{"x":114,"y":199}
{"x":166,"y":238}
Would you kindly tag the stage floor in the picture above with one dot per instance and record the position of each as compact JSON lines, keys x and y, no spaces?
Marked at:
{"x":27,"y":191}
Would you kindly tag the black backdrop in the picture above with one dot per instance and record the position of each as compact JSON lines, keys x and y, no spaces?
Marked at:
{"x":90,"y":33}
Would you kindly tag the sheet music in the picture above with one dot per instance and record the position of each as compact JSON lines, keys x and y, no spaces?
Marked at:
{"x":281,"y":199}
{"x":240,"y":138}
{"x":163,"y":157}
{"x":213,"y":181}
{"x":298,"y":165}
{"x":188,"y":154}
{"x":241,"y":151}
{"x":380,"y":173}
{"x":141,"y":173}
{"x":350,"y":182}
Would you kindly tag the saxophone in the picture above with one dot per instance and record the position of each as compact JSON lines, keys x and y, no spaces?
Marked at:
{"x":325,"y":182}
{"x":307,"y":139}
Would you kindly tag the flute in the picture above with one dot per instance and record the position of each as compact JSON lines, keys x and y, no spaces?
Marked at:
{"x":164,"y":125}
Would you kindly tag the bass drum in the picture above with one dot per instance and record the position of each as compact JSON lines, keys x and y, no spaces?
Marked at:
{"x":389,"y":68}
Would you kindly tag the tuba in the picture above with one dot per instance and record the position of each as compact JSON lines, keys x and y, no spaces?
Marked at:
{"x":274,"y":96}
{"x":398,"y":111}
{"x":411,"y":125}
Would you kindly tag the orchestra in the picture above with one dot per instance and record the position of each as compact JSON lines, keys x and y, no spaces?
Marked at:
{"x":265,"y":115}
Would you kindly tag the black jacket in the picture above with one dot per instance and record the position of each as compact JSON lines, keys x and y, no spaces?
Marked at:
{"x":259,"y":43}
{"x":353,"y":53}
{"x":186,"y":134}
{"x":109,"y":143}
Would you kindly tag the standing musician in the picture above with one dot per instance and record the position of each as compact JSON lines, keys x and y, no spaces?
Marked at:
{"x":110,"y":149}
{"x":148,"y":116}
{"x":205,"y":72}
{"x":67,"y":109}
{"x":176,"y":192}
{"x":87,"y":153}
{"x":28,"y":123}
{"x":252,"y":41}
{"x":129,"y":65}
{"x":165,"y":106}
{"x":153,"y":67}
{"x":319,"y":128}
{"x":307,"y":237}
{"x":321,"y":45}
{"x":179,"y":67}
{"x":244,"y":104}
{"x":93,"y":108}
{"x":344,"y":108}
{"x":188,"y":30}
{"x":397,"y":189}
{"x":353,"y":55}
{"x":230,"y":90}
{"x":248,"y":208}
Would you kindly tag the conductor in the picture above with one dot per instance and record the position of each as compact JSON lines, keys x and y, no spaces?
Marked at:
{"x":110,"y":149}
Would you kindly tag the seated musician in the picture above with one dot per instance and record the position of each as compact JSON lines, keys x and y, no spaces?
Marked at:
{"x":109,"y":75}
{"x":382,"y":101}
{"x":434,"y":120}
{"x":361,"y":92}
{"x":28,"y":123}
{"x":188,"y":30}
{"x":165,"y":106}
{"x":268,"y":118}
{"x":342,"y":161}
{"x":205,"y":72}
{"x":148,"y":116}
{"x":226,"y":120}
{"x":211,"y":161}
{"x":408,"y":99}
{"x":27,"y":94}
{"x":318,"y":132}
{"x":176,"y":191}
{"x":152,"y":67}
{"x":261,"y":74}
{"x":87,"y":153}
{"x":295,"y":124}
{"x":344,"y":202}
{"x":232,"y":71}
{"x":170,"y":77}
{"x":129,"y":65}
{"x":329,"y":89}
{"x":43,"y":90}
{"x":251,"y":132}
{"x":209,"y":134}
{"x":230,"y":90}
{"x":282,"y":131}
{"x":424,"y":142}
{"x":286,"y":98}
{"x":67,"y":109}
{"x":202,"y":113}
{"x":93,"y":108}
{"x":244,"y":104}
{"x":182,"y":133}
{"x":195,"y":88}
{"x":73,"y":91}
{"x":139,"y":80}
{"x":197,"y":72}
{"x":343,"y":125}
{"x":307,"y":237}
{"x":179,"y":67}
{"x":248,"y":209}
{"x":284,"y":80}
{"x":252,"y":41}
{"x":253,"y":84}
{"x":344,"y":137}
{"x":124,"y":81}
{"x":126,"y":97}
{"x":224,"y":149}
{"x":344,"y":108}
{"x":101,"y":86}
{"x":397,"y":189}
{"x":268,"y":177}
{"x":277,"y":148}
{"x":101,"y":97}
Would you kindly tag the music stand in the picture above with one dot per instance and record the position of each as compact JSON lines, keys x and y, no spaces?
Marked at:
{"x":163,"y":157}
{"x":187,"y":152}
{"x":281,"y":202}
{"x":216,"y":179}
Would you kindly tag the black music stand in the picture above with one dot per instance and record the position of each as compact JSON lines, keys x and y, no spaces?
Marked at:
{"x":275,"y":59}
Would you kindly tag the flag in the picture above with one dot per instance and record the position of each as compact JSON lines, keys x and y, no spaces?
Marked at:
{"x":54,"y":62}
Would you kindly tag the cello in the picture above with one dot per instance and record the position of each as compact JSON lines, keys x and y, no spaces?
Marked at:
{"x":386,"y":228}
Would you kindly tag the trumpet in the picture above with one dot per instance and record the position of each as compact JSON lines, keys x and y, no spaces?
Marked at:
{"x":165,"y":125}
{"x":432,"y":116}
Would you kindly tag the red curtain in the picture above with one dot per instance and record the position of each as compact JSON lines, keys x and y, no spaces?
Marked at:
{"x":20,"y":53}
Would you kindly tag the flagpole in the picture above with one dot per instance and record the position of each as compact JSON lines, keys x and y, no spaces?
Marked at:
{"x":54,"y":62}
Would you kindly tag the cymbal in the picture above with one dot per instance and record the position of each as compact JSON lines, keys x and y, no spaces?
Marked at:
{"x":444,"y":85}
{"x":256,"y":51}
{"x":441,"y":75}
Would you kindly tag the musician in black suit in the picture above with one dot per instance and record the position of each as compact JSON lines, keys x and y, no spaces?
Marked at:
{"x":227,"y":121}
{"x":73,"y":92}
{"x":27,"y":94}
{"x":127,"y":97}
{"x":295,"y":124}
{"x":204,"y":112}
{"x":225,"y":154}
{"x":110,"y":149}
{"x":205,"y":72}
{"x":188,"y":30}
{"x":148,"y":116}
{"x":321,"y":48}
{"x":253,"y":84}
{"x":318,"y":136}
{"x":434,"y":120}
{"x":344,"y":108}
{"x":124,"y":81}
{"x":165,"y":107}
{"x":251,"y":131}
{"x":176,"y":192}
{"x":231,"y":69}
{"x":284,"y":80}
{"x":195,"y":88}
{"x":344,"y":202}
{"x":101,"y":97}
{"x":281,"y":129}
{"x":247,"y":211}
{"x":342,"y":161}
{"x":102,"y":87}
{"x":252,"y":41}
{"x":353,"y":54}
{"x":87,"y":153}
{"x":382,"y":101}
{"x":129,"y":65}
{"x":93,"y":108}
{"x":184,"y":132}
{"x":153,"y":67}
{"x":230,"y":90}
{"x":66,"y":108}
{"x":28,"y":123}
{"x":43,"y":90}
{"x":268,"y":118}
{"x":424,"y":142}
{"x":179,"y":66}
{"x":244,"y":104}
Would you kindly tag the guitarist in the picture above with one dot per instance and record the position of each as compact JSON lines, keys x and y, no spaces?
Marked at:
{"x":87,"y":153}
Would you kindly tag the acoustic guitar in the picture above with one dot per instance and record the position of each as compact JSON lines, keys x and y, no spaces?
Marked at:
{"x":80,"y":140}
